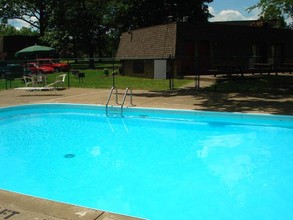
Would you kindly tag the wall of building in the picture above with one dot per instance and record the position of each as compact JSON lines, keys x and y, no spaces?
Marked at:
{"x":2,"y":53}
{"x":12,"y":44}
{"x":129,"y":68}
{"x":216,"y":45}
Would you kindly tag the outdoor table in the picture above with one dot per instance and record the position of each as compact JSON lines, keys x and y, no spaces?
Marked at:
{"x":263,"y":66}
{"x":228,"y":69}
{"x":39,"y":79}
{"x":287,"y":67}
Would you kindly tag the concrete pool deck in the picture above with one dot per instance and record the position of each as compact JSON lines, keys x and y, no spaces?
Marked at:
{"x":184,"y":98}
{"x":21,"y":207}
{"x":16,"y":206}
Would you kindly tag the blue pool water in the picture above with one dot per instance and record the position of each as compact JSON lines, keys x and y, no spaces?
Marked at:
{"x":155,"y":164}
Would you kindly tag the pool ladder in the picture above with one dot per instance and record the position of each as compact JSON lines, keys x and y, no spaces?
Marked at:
{"x":128,"y":91}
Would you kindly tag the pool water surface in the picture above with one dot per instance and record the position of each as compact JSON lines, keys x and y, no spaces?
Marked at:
{"x":154,"y":164}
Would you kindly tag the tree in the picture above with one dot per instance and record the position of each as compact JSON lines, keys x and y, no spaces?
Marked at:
{"x":80,"y":25}
{"x":90,"y":26}
{"x":8,"y":30}
{"x":142,"y":13}
{"x":35,"y":12}
{"x":123,"y":15}
{"x":274,"y":9}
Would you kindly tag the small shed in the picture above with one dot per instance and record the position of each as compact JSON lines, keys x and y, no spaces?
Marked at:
{"x":146,"y":52}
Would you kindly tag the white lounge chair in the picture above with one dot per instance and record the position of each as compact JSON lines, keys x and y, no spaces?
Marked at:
{"x":30,"y":85}
{"x":59,"y":82}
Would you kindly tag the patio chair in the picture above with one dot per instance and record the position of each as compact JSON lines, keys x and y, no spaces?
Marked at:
{"x":60,"y":80}
{"x":29,"y":81}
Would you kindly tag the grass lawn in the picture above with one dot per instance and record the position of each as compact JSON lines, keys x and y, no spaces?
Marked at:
{"x":97,"y":79}
{"x":281,"y":84}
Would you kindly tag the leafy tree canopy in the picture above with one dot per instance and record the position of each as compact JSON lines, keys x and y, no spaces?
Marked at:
{"x":34,"y":12}
{"x":142,"y":13}
{"x":8,"y":30}
{"x":274,"y":9}
{"x":90,"y":26}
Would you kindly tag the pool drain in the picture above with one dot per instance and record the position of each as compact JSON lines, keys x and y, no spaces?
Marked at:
{"x":69,"y":155}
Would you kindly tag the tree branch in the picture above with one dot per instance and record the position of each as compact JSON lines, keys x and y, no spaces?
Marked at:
{"x":32,"y":23}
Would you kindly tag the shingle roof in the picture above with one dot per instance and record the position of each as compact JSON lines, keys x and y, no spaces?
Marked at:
{"x":148,"y":43}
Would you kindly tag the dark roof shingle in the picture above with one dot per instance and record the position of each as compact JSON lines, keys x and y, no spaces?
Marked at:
{"x":148,"y":43}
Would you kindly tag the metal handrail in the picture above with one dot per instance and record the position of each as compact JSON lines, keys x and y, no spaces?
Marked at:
{"x":109,"y":98}
{"x":124,"y":98}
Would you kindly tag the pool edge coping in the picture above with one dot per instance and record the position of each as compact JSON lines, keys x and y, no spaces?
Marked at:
{"x":151,"y":108}
{"x":13,"y":204}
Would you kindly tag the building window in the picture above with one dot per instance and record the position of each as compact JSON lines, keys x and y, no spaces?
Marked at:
{"x":138,"y":66}
{"x":259,"y":52}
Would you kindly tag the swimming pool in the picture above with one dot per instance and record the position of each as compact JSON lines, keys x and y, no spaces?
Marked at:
{"x":155,"y":164}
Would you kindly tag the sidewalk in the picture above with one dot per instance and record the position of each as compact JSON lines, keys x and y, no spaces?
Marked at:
{"x":185,"y":98}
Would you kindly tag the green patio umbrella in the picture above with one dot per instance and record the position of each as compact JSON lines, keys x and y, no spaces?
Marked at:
{"x":35,"y":51}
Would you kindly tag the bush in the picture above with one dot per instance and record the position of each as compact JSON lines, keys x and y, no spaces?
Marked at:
{"x":106,"y":72}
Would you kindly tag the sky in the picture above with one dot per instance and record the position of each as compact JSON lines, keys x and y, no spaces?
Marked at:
{"x":222,"y":10}
{"x":232,"y":10}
